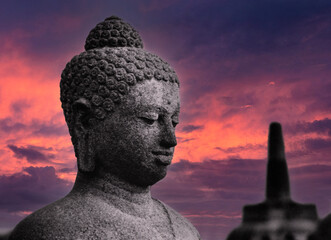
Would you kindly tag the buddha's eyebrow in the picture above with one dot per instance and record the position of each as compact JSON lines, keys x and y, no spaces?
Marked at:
{"x":149,"y":108}
{"x":154,"y":108}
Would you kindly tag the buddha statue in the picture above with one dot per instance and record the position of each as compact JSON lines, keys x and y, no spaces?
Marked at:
{"x":121,"y":105}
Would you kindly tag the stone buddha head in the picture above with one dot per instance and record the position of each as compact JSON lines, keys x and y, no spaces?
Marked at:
{"x":121,"y":105}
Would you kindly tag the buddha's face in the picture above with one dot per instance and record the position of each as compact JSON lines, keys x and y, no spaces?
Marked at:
{"x":136,"y":142}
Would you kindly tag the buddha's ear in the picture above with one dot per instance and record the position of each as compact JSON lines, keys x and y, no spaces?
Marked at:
{"x":84,"y":149}
{"x":82,"y":113}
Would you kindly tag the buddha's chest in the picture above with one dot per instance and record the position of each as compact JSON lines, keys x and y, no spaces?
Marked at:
{"x":124,"y":226}
{"x":155,"y":224}
{"x":124,"y":221}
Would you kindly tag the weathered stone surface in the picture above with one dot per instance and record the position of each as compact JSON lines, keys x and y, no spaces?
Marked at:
{"x":121,"y":105}
{"x":113,"y":32}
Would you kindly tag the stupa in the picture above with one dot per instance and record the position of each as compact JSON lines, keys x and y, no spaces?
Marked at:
{"x":278,"y":217}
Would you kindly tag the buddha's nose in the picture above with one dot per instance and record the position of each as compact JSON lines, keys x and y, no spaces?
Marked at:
{"x":168,"y":136}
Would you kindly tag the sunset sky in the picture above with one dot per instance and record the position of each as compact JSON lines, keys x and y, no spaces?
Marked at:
{"x":242,"y":64}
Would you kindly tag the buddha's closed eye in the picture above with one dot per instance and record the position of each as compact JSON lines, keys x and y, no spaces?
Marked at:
{"x":149,"y":121}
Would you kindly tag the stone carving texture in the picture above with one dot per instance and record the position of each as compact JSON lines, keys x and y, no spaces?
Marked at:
{"x":113,"y":32}
{"x":106,"y":71}
{"x":105,"y":75}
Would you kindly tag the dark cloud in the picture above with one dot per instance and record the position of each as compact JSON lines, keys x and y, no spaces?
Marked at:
{"x":36,"y":127}
{"x":317,"y":126}
{"x":243,"y":99}
{"x":39,"y":148}
{"x":317,"y":144}
{"x":31,"y":189}
{"x":7,"y":125}
{"x":230,"y":112}
{"x":322,"y":100}
{"x":50,"y":129}
{"x":242,"y":148}
{"x":27,"y":191}
{"x":68,"y":170}
{"x":191,"y":128}
{"x":316,"y":91}
{"x":182,"y":140}
{"x":19,"y":106}
{"x":33,"y":154}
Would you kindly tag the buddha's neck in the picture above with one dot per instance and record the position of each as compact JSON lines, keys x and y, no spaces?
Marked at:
{"x":116,"y":192}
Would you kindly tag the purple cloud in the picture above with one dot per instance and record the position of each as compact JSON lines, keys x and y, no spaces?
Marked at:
{"x":242,"y":148}
{"x":7,"y":125}
{"x":31,"y":153}
{"x":317,"y":144}
{"x":317,"y":126}
{"x":48,"y":129}
{"x":37,"y":127}
{"x":28,"y":191}
{"x":191,"y":128}
{"x":19,"y":106}
{"x":68,"y":170}
{"x":31,"y":189}
{"x":315,"y":93}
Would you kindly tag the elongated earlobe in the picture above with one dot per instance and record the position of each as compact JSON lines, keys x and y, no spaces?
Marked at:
{"x":84,"y":150}
{"x":85,"y":154}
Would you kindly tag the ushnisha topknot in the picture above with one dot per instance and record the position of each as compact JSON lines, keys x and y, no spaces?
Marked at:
{"x":113,"y":32}
{"x":110,"y":66}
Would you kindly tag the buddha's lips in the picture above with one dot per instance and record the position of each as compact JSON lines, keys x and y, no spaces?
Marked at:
{"x":165,"y":153}
{"x":163,"y":157}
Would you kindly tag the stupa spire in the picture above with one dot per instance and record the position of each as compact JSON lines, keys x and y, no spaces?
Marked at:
{"x":278,"y":186}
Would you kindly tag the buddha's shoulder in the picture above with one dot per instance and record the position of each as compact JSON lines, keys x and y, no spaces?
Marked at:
{"x":181,"y":224}
{"x":63,"y":219}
